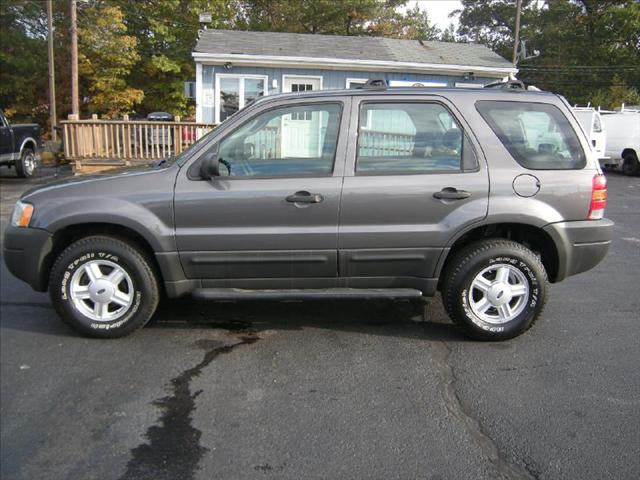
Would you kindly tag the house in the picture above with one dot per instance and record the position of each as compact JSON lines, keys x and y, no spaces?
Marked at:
{"x":234,"y":67}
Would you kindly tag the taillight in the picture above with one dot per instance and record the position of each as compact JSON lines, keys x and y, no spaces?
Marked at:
{"x":598,"y":197}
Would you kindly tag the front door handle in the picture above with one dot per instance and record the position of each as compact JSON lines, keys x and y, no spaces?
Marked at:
{"x":451,"y":193}
{"x":305,"y":197}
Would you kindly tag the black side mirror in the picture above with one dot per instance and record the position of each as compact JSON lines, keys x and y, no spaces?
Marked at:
{"x":210,"y":166}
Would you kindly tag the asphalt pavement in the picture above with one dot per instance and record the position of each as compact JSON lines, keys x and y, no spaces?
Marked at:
{"x":329,"y":389}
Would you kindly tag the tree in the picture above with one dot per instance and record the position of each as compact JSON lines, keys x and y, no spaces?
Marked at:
{"x":413,"y":24}
{"x":346,"y":17}
{"x":449,"y":34}
{"x":23,"y":61}
{"x":585,"y":46}
{"x":167,"y":31}
{"x":106,"y":56}
{"x":617,"y":94}
{"x":492,"y":23}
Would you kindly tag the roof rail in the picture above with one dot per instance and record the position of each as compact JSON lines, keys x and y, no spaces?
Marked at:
{"x":508,"y":85}
{"x":375,"y":83}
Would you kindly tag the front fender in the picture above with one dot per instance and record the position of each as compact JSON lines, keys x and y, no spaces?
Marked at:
{"x":158,"y":234}
{"x":141,"y":202}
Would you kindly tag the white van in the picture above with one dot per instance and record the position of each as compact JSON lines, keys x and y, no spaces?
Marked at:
{"x":591,"y":123}
{"x":623,"y":139}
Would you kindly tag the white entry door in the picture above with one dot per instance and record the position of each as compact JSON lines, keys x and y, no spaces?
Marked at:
{"x":301,"y":131}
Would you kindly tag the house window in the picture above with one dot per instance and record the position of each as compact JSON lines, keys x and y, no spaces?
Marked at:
{"x":234,"y":92}
{"x":190,"y":89}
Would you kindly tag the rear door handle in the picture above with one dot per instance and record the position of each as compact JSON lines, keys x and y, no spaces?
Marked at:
{"x":451,"y":193}
{"x":305,"y":197}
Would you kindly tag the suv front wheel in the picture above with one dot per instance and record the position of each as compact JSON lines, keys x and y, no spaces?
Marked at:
{"x":103,"y":287}
{"x":495,"y":289}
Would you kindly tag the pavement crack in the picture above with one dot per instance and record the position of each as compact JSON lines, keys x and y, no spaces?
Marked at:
{"x":480,"y":437}
{"x":173,"y":449}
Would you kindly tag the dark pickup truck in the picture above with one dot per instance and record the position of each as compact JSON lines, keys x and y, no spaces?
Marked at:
{"x":19,"y":146}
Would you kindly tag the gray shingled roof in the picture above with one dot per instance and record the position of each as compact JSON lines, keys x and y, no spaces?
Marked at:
{"x":347,"y":48}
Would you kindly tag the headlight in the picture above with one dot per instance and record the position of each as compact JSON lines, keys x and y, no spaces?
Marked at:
{"x":21,"y":214}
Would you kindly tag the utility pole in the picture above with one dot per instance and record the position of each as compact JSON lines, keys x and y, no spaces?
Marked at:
{"x":517,"y":36}
{"x":75,"y":104}
{"x":52,"y":75}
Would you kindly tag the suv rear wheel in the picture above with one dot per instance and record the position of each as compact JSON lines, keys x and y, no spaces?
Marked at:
{"x":103,"y":287}
{"x":495,"y":289}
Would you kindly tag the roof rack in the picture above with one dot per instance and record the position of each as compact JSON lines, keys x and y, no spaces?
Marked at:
{"x":375,"y":83}
{"x":508,"y":85}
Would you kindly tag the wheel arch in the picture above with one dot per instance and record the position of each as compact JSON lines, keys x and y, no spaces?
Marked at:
{"x":64,"y":237}
{"x":531,"y":236}
{"x":28,"y":142}
{"x":627,"y":151}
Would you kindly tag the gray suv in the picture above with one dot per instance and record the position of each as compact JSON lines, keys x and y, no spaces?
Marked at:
{"x":484,"y":195}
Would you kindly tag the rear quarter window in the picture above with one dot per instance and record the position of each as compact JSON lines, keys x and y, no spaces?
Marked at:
{"x":537,"y":135}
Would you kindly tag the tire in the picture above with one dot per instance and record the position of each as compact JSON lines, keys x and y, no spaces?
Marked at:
{"x":463,"y":299}
{"x":630,"y":164}
{"x":28,"y":163}
{"x":74,"y":287}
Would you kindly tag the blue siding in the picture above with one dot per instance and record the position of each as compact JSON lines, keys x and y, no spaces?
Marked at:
{"x":331,"y":79}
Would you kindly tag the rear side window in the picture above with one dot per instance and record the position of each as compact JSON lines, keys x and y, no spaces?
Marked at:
{"x":537,"y":135}
{"x":411,"y":138}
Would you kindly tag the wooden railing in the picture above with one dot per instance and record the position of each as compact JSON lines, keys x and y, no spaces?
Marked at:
{"x":375,"y":143}
{"x":122,"y":141}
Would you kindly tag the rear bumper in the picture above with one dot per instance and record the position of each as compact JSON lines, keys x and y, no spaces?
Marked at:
{"x":25,"y":251}
{"x":581,"y":245}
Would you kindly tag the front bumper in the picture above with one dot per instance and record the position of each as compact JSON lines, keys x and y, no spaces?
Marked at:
{"x":25,"y":252}
{"x":581,"y":245}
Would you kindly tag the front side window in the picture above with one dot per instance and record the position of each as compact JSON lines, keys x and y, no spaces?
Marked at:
{"x":288,"y":141}
{"x":537,"y":135}
{"x":408,"y":138}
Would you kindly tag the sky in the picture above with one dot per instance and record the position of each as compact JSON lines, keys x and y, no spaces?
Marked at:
{"x":438,"y":11}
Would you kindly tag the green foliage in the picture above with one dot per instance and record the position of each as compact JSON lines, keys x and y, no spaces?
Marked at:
{"x":167,"y":31}
{"x":23,"y":61}
{"x":589,"y":50}
{"x":345,"y":17}
{"x":106,"y":56}
{"x":492,"y":23}
{"x":617,"y":94}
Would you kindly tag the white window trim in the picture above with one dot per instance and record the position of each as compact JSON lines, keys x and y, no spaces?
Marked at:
{"x":199,"y":86}
{"x":293,"y":76}
{"x":241,"y":104}
{"x":349,"y":81}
